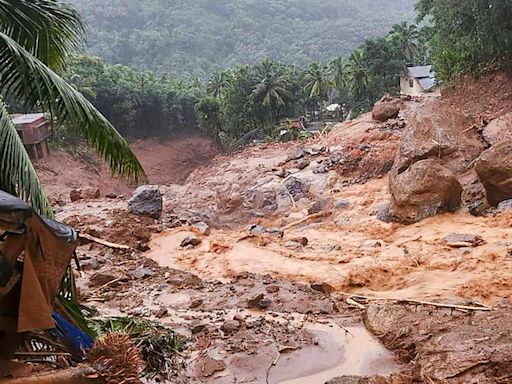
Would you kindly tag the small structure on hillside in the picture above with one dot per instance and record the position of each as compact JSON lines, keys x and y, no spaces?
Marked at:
{"x":419,"y":81}
{"x":34,"y":131}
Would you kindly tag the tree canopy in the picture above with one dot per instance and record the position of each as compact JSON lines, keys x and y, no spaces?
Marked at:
{"x":468,"y":36}
{"x":35,"y":39}
{"x":203,"y":36}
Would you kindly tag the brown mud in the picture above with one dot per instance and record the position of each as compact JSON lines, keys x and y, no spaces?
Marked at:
{"x":258,"y":307}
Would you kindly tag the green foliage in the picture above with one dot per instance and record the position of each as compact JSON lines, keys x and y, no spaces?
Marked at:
{"x":140,"y":104}
{"x":249,"y":102}
{"x":468,"y":35}
{"x":202,"y":36}
{"x":34,"y":36}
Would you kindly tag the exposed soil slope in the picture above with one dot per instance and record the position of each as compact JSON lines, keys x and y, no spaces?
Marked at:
{"x":294,"y":230}
{"x":168,"y":162}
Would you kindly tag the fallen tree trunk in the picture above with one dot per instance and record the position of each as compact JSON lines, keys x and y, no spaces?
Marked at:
{"x":69,"y":376}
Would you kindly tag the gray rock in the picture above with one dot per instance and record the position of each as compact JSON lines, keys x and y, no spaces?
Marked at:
{"x":342,"y":204}
{"x":319,"y":206}
{"x":282,"y":173}
{"x":505,"y":206}
{"x":325,"y":288}
{"x":320,"y":168}
{"x":477,"y":208}
{"x":293,"y":245}
{"x":303,"y":163}
{"x":318,"y":148}
{"x":383,"y":214}
{"x":372,"y":244}
{"x":141,"y":273}
{"x":296,"y":153}
{"x":190,"y":240}
{"x":202,"y":228}
{"x":146,"y":201}
{"x":349,"y":380}
{"x":258,"y":230}
{"x":296,"y":187}
{"x":474,"y":240}
{"x":260,"y":302}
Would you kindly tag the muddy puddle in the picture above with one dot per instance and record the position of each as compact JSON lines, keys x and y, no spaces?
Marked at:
{"x":351,"y":351}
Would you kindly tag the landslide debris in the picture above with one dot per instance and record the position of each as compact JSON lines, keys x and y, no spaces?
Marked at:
{"x":238,"y":323}
{"x":494,"y":168}
{"x":425,"y":189}
{"x":447,"y":346}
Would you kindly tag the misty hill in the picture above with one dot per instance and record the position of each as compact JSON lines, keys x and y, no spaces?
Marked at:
{"x":200,"y":36}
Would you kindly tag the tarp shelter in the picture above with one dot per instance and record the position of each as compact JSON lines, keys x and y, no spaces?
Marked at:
{"x":36,"y":253}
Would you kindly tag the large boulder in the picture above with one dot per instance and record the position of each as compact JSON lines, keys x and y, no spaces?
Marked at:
{"x":436,"y":131}
{"x":146,"y":201}
{"x":385,"y":109}
{"x":498,"y":130}
{"x":424,"y":189}
{"x":494,"y":168}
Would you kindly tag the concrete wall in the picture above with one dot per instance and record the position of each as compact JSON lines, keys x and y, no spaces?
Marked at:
{"x":416,"y":90}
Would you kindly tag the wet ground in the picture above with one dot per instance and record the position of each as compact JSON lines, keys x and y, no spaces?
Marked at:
{"x":339,"y":297}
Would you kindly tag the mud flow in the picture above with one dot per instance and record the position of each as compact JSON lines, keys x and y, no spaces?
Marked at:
{"x":375,"y":253}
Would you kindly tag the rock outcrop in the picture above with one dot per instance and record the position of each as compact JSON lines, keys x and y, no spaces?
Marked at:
{"x":432,"y":169}
{"x":498,"y":130}
{"x":146,"y":201}
{"x":494,"y":168}
{"x":425,"y":189}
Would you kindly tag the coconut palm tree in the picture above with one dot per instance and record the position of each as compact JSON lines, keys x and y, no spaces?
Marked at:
{"x":357,"y":73}
{"x":317,"y":85}
{"x":218,"y":84}
{"x":337,"y":74}
{"x":272,"y":89}
{"x":35,"y":38}
{"x":406,"y":37}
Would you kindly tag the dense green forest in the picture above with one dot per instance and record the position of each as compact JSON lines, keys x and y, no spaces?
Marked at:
{"x":202,"y":36}
{"x":245,"y":101}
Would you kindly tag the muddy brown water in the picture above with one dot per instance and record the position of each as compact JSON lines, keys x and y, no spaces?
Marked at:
{"x":351,"y":351}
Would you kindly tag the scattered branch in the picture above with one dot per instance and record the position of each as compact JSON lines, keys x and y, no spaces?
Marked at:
{"x":104,"y":242}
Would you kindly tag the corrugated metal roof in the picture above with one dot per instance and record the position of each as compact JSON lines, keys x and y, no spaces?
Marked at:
{"x":26,"y":119}
{"x":421,"y":72}
{"x":427,"y":83}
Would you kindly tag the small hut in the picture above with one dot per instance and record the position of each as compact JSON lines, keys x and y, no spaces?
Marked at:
{"x":419,"y":81}
{"x":34,"y":130}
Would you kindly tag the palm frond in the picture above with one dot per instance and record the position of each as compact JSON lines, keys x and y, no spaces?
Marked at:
{"x":27,"y":79}
{"x":18,"y":175}
{"x":47,"y":29}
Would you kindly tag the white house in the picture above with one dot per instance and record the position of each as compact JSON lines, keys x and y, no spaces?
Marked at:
{"x":419,"y":81}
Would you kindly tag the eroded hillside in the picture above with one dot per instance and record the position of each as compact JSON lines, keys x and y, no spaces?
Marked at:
{"x":271,"y":260}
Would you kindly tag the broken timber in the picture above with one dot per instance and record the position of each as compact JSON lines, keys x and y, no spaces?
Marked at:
{"x":104,"y":242}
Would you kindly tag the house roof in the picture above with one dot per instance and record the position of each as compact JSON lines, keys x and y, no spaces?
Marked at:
{"x":425,"y":76}
{"x":27,"y":118}
{"x":420,"y":72}
{"x":427,"y":83}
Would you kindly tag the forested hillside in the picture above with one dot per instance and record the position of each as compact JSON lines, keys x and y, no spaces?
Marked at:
{"x":201,"y":36}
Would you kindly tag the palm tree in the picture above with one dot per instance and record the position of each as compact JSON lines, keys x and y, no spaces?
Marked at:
{"x":35,"y":38}
{"x":406,"y":37}
{"x":218,"y":84}
{"x":272,"y":89}
{"x":357,"y":73}
{"x":317,"y":85}
{"x":337,"y":69}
